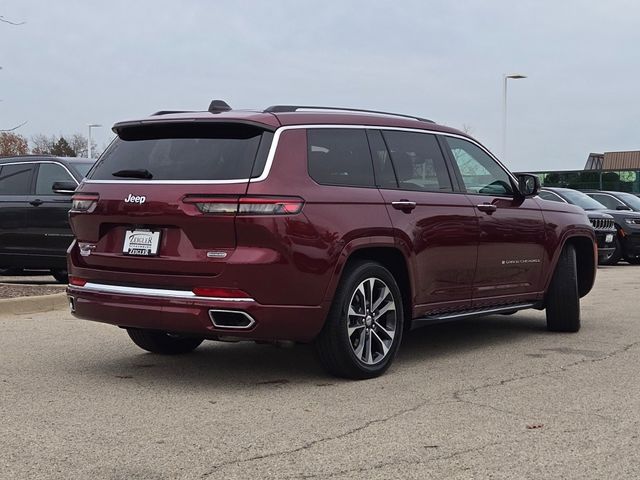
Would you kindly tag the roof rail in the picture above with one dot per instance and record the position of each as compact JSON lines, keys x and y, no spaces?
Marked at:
{"x":295,"y":108}
{"x":168,"y":112}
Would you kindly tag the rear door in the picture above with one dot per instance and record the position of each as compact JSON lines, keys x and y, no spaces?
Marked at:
{"x":511,"y":247}
{"x":175,"y":186}
{"x":15,"y":188}
{"x":436,"y":225}
{"x":48,"y":231}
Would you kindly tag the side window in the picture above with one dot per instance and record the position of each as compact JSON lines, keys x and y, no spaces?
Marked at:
{"x":16,"y":179}
{"x":418,"y":161}
{"x":480,"y":173}
{"x":607,"y":200}
{"x":48,"y":173}
{"x":339,"y":156}
{"x":550,"y":196}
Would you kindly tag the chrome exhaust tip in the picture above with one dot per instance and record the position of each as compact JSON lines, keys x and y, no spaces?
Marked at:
{"x":235,"y":319}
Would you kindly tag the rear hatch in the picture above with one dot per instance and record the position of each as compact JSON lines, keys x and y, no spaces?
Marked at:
{"x":163,"y":198}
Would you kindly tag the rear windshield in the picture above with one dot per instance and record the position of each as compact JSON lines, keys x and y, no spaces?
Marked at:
{"x":185,"y":152}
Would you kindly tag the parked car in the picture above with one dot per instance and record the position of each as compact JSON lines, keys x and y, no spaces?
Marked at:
{"x":603,"y":224}
{"x":304,"y":224}
{"x":616,"y":200}
{"x":627,"y":225}
{"x":35,"y":198}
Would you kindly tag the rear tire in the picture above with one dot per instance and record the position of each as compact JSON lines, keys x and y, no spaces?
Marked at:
{"x":563,"y":299}
{"x":164,"y":343}
{"x":363,"y":329}
{"x":61,"y":276}
{"x":616,"y":255}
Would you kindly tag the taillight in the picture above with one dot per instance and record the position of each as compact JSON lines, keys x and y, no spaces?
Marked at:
{"x":217,"y":205}
{"x":84,"y":202}
{"x":247,"y":205}
{"x":220,"y":292}
{"x":77,"y":282}
{"x":270,"y":205}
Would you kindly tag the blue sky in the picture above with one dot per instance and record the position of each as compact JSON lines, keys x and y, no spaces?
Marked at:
{"x":78,"y":62}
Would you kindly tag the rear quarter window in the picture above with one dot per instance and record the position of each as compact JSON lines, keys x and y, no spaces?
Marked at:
{"x":186,"y":152}
{"x":339,"y":156}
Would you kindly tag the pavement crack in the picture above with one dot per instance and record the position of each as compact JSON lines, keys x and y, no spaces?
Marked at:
{"x":458,"y":394}
{"x":313,"y":443}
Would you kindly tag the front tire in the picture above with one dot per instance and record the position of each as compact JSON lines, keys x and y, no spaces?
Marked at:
{"x":563,"y":299}
{"x":364,"y":327}
{"x":164,"y":343}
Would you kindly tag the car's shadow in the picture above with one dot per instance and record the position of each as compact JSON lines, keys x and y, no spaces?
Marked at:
{"x":247,"y":364}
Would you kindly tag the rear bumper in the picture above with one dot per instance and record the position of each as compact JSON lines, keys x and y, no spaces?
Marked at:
{"x":181,"y":311}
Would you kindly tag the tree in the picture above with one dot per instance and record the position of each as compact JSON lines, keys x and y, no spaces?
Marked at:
{"x":78,"y":143}
{"x":62,"y":149}
{"x":13,"y":144}
{"x":41,"y":144}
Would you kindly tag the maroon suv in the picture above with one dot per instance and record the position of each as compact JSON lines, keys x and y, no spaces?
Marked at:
{"x":339,"y":227}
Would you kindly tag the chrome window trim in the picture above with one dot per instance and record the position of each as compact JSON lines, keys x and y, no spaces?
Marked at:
{"x":151,"y":292}
{"x":274,"y":146}
{"x":33,"y":162}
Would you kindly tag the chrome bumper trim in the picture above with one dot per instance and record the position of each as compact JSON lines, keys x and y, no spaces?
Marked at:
{"x":151,"y":292}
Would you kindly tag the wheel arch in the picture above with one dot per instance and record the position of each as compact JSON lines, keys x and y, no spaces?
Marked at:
{"x":388,"y":255}
{"x":586,"y":261}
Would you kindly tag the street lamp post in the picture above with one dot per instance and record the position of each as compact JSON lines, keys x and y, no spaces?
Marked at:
{"x":91,"y":125}
{"x":505,"y":78}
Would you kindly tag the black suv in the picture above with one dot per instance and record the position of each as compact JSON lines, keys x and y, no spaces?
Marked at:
{"x":616,"y":200}
{"x":35,"y":198}
{"x":626,"y":241}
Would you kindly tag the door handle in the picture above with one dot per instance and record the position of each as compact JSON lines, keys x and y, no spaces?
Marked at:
{"x":36,"y":203}
{"x":488,"y":208}
{"x":405,"y":205}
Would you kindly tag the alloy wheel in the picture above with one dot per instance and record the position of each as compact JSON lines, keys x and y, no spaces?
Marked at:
{"x":371,"y":321}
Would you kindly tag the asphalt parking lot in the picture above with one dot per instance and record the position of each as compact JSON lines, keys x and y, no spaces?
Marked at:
{"x":492,"y":398}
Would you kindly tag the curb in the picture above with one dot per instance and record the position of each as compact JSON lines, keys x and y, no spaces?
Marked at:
{"x":34,"y":304}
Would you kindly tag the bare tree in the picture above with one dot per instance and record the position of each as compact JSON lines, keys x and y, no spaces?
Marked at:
{"x":466,"y":128}
{"x":78,"y":143}
{"x":42,"y":144}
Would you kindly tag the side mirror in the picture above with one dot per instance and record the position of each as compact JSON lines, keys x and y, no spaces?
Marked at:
{"x":622,"y":207}
{"x":64,"y":188}
{"x":528,"y":184}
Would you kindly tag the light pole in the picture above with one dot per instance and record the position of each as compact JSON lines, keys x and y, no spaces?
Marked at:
{"x":91,"y":125}
{"x":505,"y":78}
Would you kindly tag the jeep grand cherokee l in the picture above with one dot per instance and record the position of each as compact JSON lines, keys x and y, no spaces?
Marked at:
{"x":342,"y":228}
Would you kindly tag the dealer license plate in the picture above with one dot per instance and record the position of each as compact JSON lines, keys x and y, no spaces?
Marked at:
{"x":141,"y":242}
{"x":608,"y":238}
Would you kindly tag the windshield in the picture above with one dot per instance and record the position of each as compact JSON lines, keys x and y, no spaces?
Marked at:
{"x":582,"y":200}
{"x":183,"y":152}
{"x":631,"y":200}
{"x":82,"y":168}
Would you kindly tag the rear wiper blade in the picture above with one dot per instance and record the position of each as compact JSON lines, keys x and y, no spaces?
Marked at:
{"x":140,"y":173}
